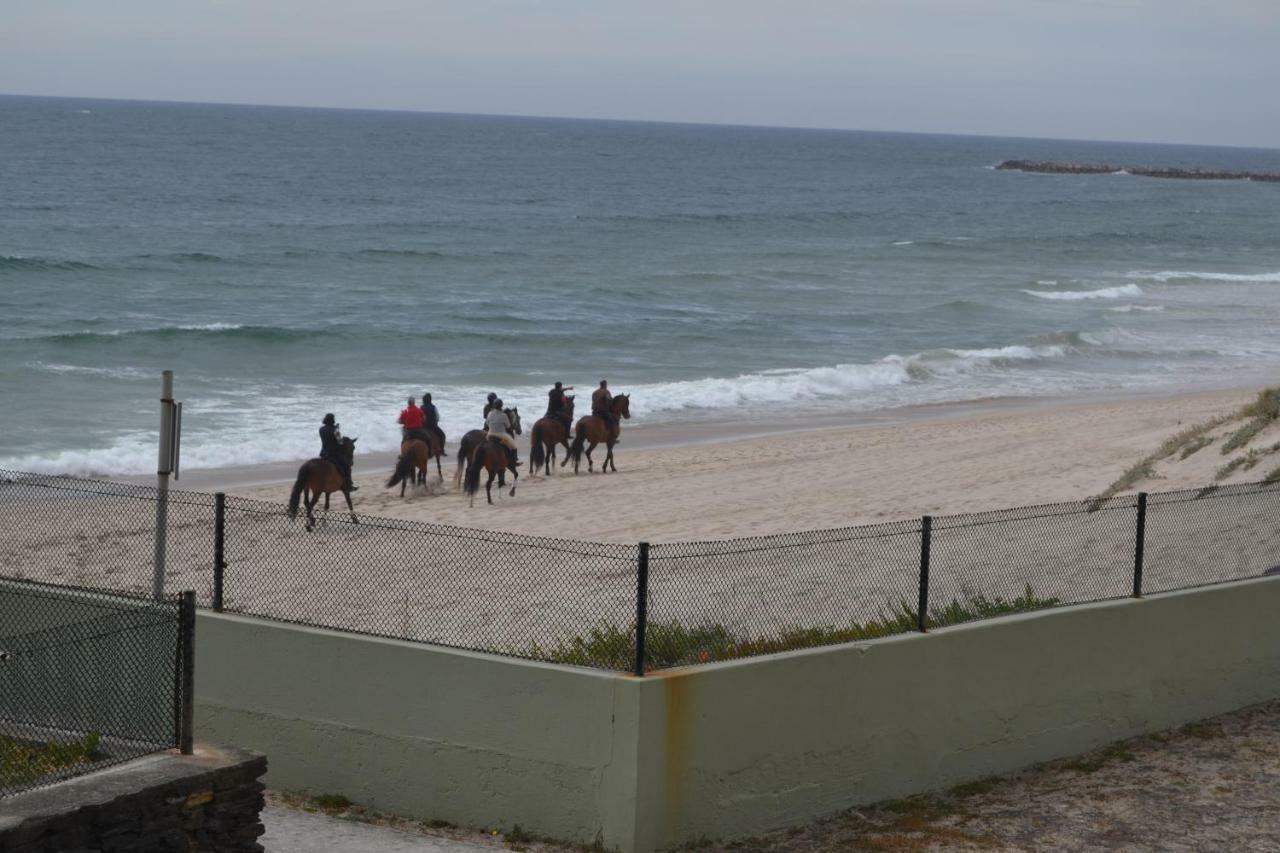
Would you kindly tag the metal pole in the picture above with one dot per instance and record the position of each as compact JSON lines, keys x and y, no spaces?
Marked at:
{"x":642,"y":605}
{"x":1139,"y":545}
{"x":219,"y":546}
{"x":188,"y":642}
{"x":922,"y":608}
{"x":162,"y":481}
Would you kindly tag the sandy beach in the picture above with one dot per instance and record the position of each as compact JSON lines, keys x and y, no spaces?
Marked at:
{"x":480,"y":583}
{"x":679,"y":483}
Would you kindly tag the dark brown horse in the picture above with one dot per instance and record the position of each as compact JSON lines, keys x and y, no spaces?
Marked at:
{"x":415,"y":459}
{"x":546,"y":434}
{"x":319,"y":477}
{"x":477,"y":437}
{"x":492,"y":457}
{"x":591,"y":430}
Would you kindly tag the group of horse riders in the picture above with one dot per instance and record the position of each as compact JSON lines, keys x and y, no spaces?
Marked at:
{"x":423,"y":422}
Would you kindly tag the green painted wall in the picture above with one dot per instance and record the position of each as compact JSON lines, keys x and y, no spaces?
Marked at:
{"x":728,"y":749}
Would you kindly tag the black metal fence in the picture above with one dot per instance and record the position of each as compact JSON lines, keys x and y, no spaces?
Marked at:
{"x":89,"y":679}
{"x":636,"y":607}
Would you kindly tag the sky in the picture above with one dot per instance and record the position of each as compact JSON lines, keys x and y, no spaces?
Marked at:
{"x":1185,"y":71}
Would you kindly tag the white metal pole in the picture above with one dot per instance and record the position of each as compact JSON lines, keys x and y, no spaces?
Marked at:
{"x":162,"y":481}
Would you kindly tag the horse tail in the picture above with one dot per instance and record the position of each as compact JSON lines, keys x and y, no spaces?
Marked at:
{"x":296,"y":495}
{"x":579,"y":442}
{"x":471,"y":484}
{"x":537,"y":453}
{"x":404,"y":469}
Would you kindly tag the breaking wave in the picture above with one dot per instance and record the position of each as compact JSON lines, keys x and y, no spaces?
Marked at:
{"x":1075,"y":295}
{"x":1174,"y":275}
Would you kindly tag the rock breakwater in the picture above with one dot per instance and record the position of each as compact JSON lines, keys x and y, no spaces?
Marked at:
{"x":1056,"y":168}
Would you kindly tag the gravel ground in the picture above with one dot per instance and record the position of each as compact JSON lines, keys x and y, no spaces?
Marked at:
{"x":1208,"y":786}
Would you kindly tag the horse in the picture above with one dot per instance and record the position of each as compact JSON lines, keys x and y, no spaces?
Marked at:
{"x":416,"y":455}
{"x":492,"y":457}
{"x":592,"y":430}
{"x":546,"y":434}
{"x":477,"y":437}
{"x":321,"y":477}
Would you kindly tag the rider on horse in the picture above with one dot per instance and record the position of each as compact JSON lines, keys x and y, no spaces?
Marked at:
{"x":331,"y":450}
{"x":431,"y":418}
{"x":600,"y":402}
{"x":558,"y":406}
{"x":498,"y":424}
{"x":410,"y":421}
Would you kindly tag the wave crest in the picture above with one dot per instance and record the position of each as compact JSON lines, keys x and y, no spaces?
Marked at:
{"x":1077,"y":295}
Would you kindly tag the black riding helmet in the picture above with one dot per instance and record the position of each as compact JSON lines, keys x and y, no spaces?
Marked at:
{"x":426,"y":398}
{"x":329,"y":421}
{"x":497,"y":402}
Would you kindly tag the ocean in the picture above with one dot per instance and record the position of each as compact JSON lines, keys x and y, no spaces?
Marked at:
{"x":289,"y":262}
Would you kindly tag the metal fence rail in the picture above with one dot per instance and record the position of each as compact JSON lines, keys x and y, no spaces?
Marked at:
{"x":89,"y":679}
{"x":636,"y":607}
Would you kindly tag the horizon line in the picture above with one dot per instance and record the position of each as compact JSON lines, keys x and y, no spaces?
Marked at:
{"x":682,"y":123}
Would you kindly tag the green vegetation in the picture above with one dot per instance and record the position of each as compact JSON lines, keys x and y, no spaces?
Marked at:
{"x":671,"y":643}
{"x":1258,"y":415}
{"x":1246,"y":461}
{"x":23,"y":762}
{"x":1198,"y":443}
{"x":1261,"y":413}
{"x":1194,"y":436}
{"x":331,"y":802}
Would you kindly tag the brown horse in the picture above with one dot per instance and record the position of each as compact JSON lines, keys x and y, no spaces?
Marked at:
{"x":319,"y":477}
{"x":546,"y":434}
{"x":592,"y":430}
{"x":475,"y":438}
{"x":492,"y":457}
{"x":416,"y":456}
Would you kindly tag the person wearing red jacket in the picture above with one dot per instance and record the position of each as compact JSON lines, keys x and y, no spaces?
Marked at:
{"x":411,"y":422}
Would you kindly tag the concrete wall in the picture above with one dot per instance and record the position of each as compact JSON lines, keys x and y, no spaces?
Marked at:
{"x":727,"y":749}
{"x":419,"y":730}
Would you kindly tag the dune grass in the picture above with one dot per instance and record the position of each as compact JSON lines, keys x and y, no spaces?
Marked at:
{"x":671,"y":643}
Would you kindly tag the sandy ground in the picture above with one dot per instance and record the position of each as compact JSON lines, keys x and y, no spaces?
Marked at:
{"x":997,"y":456}
{"x":1213,"y":785}
{"x":474,"y":588}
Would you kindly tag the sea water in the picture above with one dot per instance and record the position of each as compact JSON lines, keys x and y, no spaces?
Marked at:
{"x":289,"y":262}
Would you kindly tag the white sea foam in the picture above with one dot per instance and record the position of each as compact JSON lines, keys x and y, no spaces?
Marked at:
{"x":243,"y":431}
{"x":1075,"y":295}
{"x":1125,"y":309}
{"x":903,"y":242}
{"x":1173,"y":275}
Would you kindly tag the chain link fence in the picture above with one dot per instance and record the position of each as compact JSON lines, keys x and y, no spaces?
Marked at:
{"x":89,"y":679}
{"x":581,"y":603}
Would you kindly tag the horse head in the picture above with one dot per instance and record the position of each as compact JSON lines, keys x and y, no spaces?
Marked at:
{"x":622,"y":405}
{"x":513,"y":418}
{"x":349,"y":448}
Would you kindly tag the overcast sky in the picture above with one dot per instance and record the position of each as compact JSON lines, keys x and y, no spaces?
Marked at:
{"x":1150,"y":70}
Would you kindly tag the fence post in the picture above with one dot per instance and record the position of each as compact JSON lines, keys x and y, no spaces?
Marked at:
{"x":219,"y":547}
{"x":1139,"y":543}
{"x":922,"y":608}
{"x":642,"y":605}
{"x":184,"y":701}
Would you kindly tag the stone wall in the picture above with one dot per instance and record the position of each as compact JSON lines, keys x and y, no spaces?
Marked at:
{"x":208,"y":801}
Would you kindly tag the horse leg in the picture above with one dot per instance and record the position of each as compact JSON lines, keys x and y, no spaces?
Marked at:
{"x":402,"y":485}
{"x":488,"y":487}
{"x":439,"y":471}
{"x":590,"y":465}
{"x":565,"y":460}
{"x":608,"y":459}
{"x":311,"y":518}
{"x":350,"y":508}
{"x":515,"y":478}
